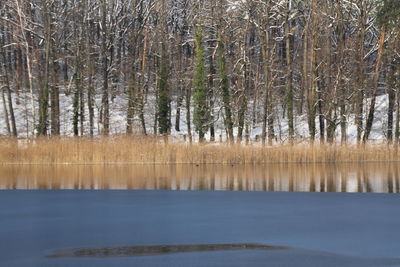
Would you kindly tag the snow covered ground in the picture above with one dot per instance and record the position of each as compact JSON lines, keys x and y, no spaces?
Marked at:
{"x":118,"y":120}
{"x":319,"y":229}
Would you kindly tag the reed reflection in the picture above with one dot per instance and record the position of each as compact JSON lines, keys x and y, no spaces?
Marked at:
{"x":371,"y":177}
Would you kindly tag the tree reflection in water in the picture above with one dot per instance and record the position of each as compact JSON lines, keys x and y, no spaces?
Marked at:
{"x":362,"y":177}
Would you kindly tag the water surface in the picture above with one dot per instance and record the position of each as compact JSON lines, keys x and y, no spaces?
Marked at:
{"x":361,"y":177}
{"x":71,"y":228}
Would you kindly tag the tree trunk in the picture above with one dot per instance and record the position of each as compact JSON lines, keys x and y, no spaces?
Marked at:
{"x":28,"y":60}
{"x":178,"y":108}
{"x":271,"y":131}
{"x":9,"y":114}
{"x":90,"y":95}
{"x":321,"y":116}
{"x":225,"y":90}
{"x":392,"y":98}
{"x":289,"y":77}
{"x":55,"y":101}
{"x":6,"y":118}
{"x":312,"y":84}
{"x":105,"y":52}
{"x":44,"y":89}
{"x":375,"y":87}
{"x":81,"y":111}
{"x":211,"y":96}
{"x":267,"y":82}
{"x":144,"y":84}
{"x":397,"y":129}
{"x":131,"y":92}
{"x":89,"y":72}
{"x":131,"y":103}
{"x":242,"y":94}
{"x":342,"y":87}
{"x":188,"y":116}
{"x":360,"y":77}
{"x":76,"y":101}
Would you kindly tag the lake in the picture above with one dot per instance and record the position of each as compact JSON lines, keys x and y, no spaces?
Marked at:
{"x":71,"y":228}
{"x":349,"y":177}
{"x":200,"y":215}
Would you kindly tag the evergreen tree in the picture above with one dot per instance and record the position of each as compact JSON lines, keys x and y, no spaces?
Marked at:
{"x":164,"y":98}
{"x":387,"y":18}
{"x":226,"y":95}
{"x":388,"y":15}
{"x":201,"y":112}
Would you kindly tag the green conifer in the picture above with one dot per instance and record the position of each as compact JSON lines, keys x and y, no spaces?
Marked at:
{"x":164,"y":96}
{"x":201,"y":111}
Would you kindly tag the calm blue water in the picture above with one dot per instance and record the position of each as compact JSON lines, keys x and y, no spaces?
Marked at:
{"x":321,"y":229}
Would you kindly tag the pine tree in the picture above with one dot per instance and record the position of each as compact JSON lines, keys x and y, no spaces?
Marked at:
{"x":387,"y":18}
{"x":164,"y":98}
{"x":201,"y":112}
{"x":226,"y":95}
{"x":388,"y":15}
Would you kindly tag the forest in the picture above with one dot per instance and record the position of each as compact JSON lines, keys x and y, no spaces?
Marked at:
{"x":207,"y":69}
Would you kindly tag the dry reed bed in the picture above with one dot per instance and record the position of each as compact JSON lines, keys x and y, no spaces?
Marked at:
{"x":141,"y":150}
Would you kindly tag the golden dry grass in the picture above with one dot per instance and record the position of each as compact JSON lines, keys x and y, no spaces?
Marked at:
{"x":140,"y":150}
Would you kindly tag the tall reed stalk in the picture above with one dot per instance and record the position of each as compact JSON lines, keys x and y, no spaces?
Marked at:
{"x":140,"y":150}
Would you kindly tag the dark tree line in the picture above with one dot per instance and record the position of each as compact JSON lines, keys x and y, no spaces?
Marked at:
{"x":247,"y":64}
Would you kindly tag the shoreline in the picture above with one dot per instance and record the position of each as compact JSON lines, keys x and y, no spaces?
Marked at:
{"x":194,"y":164}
